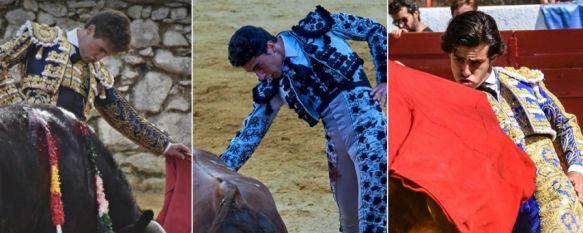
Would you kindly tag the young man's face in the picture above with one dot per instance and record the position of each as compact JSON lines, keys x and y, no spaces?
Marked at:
{"x":471,"y":66}
{"x":267,"y":65}
{"x":93,"y":49}
{"x":405,"y":20}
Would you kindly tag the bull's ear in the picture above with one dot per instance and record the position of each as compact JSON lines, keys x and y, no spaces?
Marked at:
{"x":228,"y":193}
{"x":140,"y":226}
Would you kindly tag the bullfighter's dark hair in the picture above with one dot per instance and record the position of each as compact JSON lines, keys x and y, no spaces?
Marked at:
{"x":113,"y":27}
{"x":248,"y":42}
{"x":472,"y":29}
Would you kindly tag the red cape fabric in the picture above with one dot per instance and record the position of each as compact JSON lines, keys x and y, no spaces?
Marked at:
{"x":444,"y":140}
{"x":176,"y":212}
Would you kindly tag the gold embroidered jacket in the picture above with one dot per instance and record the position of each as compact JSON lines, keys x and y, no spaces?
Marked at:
{"x":526,"y":107}
{"x":49,"y":76}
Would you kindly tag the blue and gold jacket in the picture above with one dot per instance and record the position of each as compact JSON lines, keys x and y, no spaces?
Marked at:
{"x":531,"y":109}
{"x":335,"y":67}
{"x":51,"y":76}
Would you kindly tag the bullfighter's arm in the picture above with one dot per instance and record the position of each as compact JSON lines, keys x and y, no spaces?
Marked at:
{"x":254,"y":129}
{"x":565,"y":124}
{"x":124,"y":118}
{"x":363,"y":29}
{"x":15,"y":52}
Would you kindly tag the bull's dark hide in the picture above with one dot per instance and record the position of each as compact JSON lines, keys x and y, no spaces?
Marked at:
{"x":24,"y":175}
{"x":227,"y":202}
{"x":415,"y":212}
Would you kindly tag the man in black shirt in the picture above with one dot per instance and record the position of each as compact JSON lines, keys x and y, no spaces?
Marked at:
{"x":406,"y":17}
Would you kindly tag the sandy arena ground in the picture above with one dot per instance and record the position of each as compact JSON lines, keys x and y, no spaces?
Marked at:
{"x":150,"y":201}
{"x":291,"y":159}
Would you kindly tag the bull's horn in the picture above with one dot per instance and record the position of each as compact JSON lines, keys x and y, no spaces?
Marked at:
{"x":154,"y":227}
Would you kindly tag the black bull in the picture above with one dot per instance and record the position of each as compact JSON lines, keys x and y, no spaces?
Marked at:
{"x":25,"y":176}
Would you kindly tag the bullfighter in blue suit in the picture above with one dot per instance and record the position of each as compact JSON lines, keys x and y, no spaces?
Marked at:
{"x":313,"y":69}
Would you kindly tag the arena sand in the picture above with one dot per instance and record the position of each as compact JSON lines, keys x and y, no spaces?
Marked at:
{"x":291,"y":159}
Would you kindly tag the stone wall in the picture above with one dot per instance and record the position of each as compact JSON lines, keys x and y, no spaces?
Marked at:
{"x":155,"y":76}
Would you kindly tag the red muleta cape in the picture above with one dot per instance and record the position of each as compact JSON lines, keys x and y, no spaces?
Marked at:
{"x":176,"y":213}
{"x":445,"y":141}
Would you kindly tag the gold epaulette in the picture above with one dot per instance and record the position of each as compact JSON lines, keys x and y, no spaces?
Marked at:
{"x":105,"y":79}
{"x":522,"y":74}
{"x":41,"y":34}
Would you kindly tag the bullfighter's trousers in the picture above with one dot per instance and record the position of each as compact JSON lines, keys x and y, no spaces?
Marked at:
{"x":356,"y":134}
{"x":559,"y":208}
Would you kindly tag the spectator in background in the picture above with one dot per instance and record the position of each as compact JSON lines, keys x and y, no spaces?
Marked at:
{"x":548,"y":1}
{"x":460,"y":6}
{"x":406,"y":17}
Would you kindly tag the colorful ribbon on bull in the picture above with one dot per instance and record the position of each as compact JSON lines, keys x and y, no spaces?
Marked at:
{"x":56,"y":203}
{"x":104,"y":221}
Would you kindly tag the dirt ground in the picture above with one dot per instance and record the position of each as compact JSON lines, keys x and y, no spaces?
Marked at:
{"x":291,"y":159}
{"x":150,"y":201}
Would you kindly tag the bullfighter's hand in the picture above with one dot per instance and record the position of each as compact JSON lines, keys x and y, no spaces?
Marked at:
{"x":380,"y":93}
{"x":577,"y":180}
{"x":179,"y":151}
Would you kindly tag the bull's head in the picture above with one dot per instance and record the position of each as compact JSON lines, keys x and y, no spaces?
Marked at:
{"x":234,"y":217}
{"x":144,"y":225}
